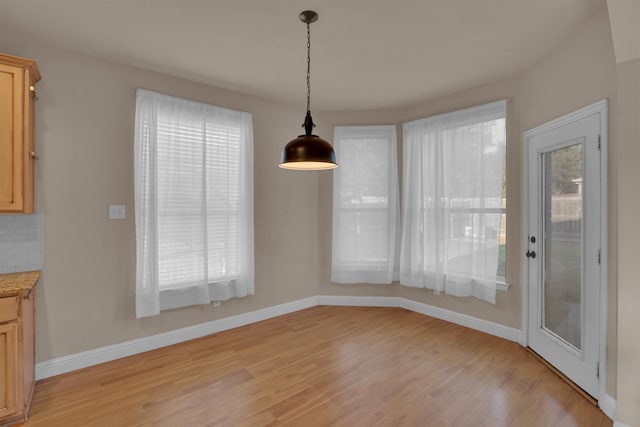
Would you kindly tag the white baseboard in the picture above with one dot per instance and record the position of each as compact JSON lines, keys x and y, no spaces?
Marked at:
{"x":88,"y":358}
{"x":486,"y":326}
{"x":608,"y":406}
{"x":96,"y":356}
{"x":84,"y":359}
{"x":358,"y":301}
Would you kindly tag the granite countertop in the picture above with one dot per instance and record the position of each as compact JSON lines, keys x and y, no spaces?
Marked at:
{"x":12,"y":284}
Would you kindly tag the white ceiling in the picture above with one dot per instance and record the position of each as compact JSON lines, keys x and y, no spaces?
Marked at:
{"x":365,"y":54}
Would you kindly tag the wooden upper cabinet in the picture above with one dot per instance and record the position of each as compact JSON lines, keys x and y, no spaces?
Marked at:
{"x":18,"y":77}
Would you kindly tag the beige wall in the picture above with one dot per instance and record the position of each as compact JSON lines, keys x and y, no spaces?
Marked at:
{"x":85,"y":119}
{"x":577,"y":73}
{"x":625,"y":23}
{"x":506,"y":311}
{"x":507,"y":308}
{"x":85,"y":140}
{"x":625,"y":17}
{"x":628,"y":161}
{"x":326,"y":123}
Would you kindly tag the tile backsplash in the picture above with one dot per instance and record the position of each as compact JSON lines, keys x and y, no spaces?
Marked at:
{"x":20,"y":243}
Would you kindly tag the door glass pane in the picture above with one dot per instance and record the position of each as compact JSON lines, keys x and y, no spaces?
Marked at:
{"x":562,"y":303}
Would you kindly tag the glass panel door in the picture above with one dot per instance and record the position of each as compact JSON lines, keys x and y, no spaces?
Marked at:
{"x":563,"y":284}
{"x":562,"y":254}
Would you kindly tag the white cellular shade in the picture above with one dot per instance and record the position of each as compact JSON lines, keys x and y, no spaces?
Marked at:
{"x":453,"y":171}
{"x":194,"y":203}
{"x":365,"y":204}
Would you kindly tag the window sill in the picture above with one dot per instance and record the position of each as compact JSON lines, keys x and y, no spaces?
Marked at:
{"x":502,"y":286}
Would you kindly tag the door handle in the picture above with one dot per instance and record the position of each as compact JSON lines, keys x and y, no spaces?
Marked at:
{"x":530,"y":254}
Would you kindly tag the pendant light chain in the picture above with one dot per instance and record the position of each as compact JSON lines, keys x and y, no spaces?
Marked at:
{"x":308,"y":68}
{"x":308,"y":151}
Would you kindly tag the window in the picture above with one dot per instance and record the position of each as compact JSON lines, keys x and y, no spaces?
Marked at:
{"x":453,"y":167}
{"x":193,"y":203}
{"x":365,"y":204}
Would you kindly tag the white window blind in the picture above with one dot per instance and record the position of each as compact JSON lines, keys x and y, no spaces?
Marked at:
{"x":194,"y":203}
{"x":365,"y":204}
{"x":453,"y":171}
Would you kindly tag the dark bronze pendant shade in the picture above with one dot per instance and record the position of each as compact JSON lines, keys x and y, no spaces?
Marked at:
{"x":308,"y":152}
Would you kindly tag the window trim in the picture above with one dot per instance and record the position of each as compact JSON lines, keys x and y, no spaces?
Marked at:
{"x":155,"y":113}
{"x":447,"y":122}
{"x":357,"y":270}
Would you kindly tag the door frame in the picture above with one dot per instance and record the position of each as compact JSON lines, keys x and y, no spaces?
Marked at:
{"x":602,"y":108}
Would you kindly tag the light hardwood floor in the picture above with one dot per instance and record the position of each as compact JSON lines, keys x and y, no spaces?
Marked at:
{"x":343,"y":366}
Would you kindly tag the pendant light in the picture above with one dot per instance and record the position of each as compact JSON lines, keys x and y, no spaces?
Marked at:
{"x":308,"y":152}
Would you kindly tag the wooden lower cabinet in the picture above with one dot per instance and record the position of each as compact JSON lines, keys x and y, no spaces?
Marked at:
{"x":16,"y":357}
{"x":8,"y":370}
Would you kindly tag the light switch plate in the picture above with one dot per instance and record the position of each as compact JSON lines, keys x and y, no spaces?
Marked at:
{"x":117,"y":212}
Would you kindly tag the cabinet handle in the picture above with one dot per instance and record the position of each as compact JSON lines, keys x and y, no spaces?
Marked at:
{"x":34,"y":156}
{"x":32,"y":89}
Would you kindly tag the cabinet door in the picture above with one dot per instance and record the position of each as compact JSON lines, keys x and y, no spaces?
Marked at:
{"x":8,"y":368}
{"x":12,"y":149}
